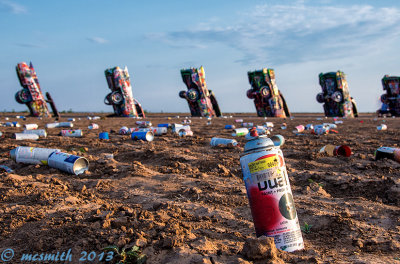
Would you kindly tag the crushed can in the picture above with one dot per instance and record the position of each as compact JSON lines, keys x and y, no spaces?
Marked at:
{"x":269,"y":193}
{"x":215,"y":142}
{"x":39,"y":132}
{"x":30,"y":155}
{"x":72,"y":133}
{"x":68,"y":163}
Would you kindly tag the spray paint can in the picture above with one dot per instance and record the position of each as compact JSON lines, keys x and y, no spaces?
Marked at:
{"x":186,"y":121}
{"x":39,"y":132}
{"x":52,"y":125}
{"x":30,"y":126}
{"x":309,"y":127}
{"x":239,"y":120}
{"x":269,"y":193}
{"x":68,"y":163}
{"x":382,"y":127}
{"x":16,"y":124}
{"x":23,"y":136}
{"x":321,"y":130}
{"x":71,"y":119}
{"x":269,"y":124}
{"x":298,"y":129}
{"x":96,"y":118}
{"x":142,"y":135}
{"x":163,"y":125}
{"x":229,"y":127}
{"x":177,"y":127}
{"x":243,"y":131}
{"x":158,"y":131}
{"x":71,"y":133}
{"x":123,"y":130}
{"x":223,"y":141}
{"x":65,"y":124}
{"x":30,"y":155}
{"x":143,"y":123}
{"x":185,"y":133}
{"x":93,"y":126}
{"x":386,"y":152}
{"x":247,"y":124}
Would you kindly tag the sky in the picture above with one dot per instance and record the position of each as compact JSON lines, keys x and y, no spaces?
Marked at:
{"x":71,"y":43}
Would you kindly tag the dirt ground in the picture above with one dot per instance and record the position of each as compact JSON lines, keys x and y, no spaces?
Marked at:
{"x":182,"y":201}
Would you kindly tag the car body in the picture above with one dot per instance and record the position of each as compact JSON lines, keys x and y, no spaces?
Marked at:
{"x":268,"y":100}
{"x":202,"y":102}
{"x":335,"y":95}
{"x":31,"y":94}
{"x":121,"y":96}
{"x":391,"y":99}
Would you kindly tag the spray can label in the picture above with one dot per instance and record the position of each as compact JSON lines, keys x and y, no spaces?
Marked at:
{"x":270,"y":198}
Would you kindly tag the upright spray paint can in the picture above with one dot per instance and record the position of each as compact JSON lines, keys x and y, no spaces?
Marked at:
{"x":31,"y":155}
{"x":269,"y":193}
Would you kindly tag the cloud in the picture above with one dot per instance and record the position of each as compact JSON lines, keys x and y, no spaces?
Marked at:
{"x":280,"y":34}
{"x":11,"y":7}
{"x":97,"y":40}
{"x":29,"y":45}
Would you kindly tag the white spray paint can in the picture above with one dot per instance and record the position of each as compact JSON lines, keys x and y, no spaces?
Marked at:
{"x":31,"y":155}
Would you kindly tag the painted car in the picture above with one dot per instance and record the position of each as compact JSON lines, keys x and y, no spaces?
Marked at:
{"x":268,"y":100}
{"x":121,"y":96}
{"x":202,"y":102}
{"x":391,"y":99}
{"x":335,"y":95}
{"x":31,"y":94}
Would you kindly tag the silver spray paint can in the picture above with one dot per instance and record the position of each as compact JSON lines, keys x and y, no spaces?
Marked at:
{"x":39,"y":132}
{"x":31,"y":155}
{"x":65,"y":124}
{"x":23,"y":136}
{"x":68,"y":163}
{"x":52,"y":125}
{"x":269,"y":193}
{"x":223,"y":141}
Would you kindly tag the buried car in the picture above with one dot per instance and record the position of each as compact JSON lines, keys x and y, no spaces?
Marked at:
{"x":202,"y":102}
{"x":391,"y":99}
{"x":31,"y":94}
{"x":121,"y":96}
{"x":335,"y":95}
{"x":268,"y":100}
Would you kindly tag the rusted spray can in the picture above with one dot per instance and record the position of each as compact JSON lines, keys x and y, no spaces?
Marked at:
{"x":71,"y":133}
{"x":31,"y":155}
{"x":269,"y":193}
{"x":68,"y":163}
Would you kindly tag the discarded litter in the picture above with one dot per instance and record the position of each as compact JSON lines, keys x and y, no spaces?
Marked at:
{"x":243,"y":131}
{"x":123,"y":130}
{"x":93,"y":126}
{"x":269,"y":193}
{"x":387,"y":152}
{"x":68,"y":163}
{"x":30,"y":155}
{"x":382,"y":127}
{"x":143,"y":123}
{"x":39,"y":132}
{"x":104,"y":136}
{"x":31,"y":126}
{"x":223,"y":142}
{"x":298,"y":129}
{"x":71,"y":133}
{"x":24,"y":136}
{"x":142,"y":135}
{"x":229,"y":127}
{"x":61,"y":124}
{"x":7,"y":169}
{"x":331,"y":150}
